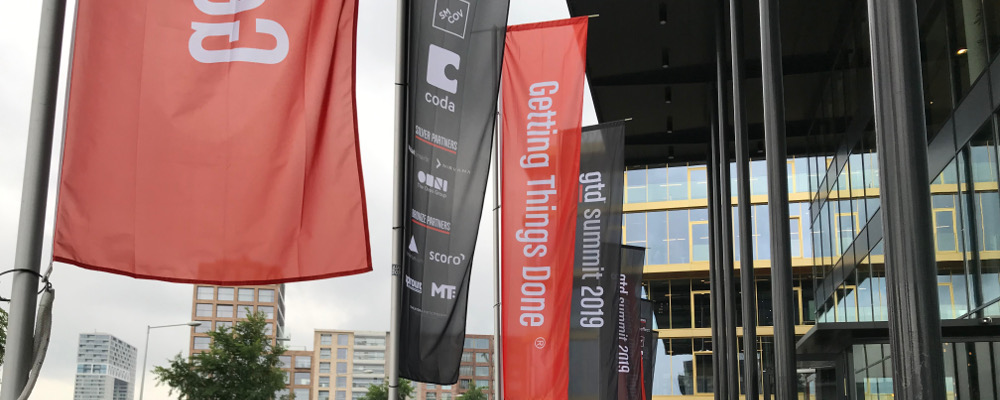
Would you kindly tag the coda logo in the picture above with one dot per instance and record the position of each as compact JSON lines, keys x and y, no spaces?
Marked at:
{"x":203,"y":30}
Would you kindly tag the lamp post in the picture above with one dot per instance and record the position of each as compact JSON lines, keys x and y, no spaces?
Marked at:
{"x":145,"y":352}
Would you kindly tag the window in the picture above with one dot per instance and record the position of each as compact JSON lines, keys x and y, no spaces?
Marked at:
{"x":267,"y":310}
{"x":206,"y":293}
{"x":324,"y":381}
{"x":482,"y":371}
{"x":301,"y":394}
{"x":288,"y":377}
{"x":341,"y":381}
{"x":204,"y":327}
{"x":201,"y":343}
{"x":265,"y":295}
{"x":268,"y":329}
{"x":431,"y":386}
{"x":466,"y":357}
{"x":324,"y":368}
{"x":466,"y":370}
{"x":795,"y":237}
{"x":223,"y":324}
{"x":284,"y":361}
{"x":324,"y":354}
{"x":482,"y":357}
{"x":341,"y":368}
{"x":698,"y":224}
{"x":242,"y":311}
{"x":302,"y":378}
{"x":445,"y":396}
{"x":369,"y":341}
{"x":483,"y":383}
{"x":464,"y":384}
{"x":324,"y":395}
{"x":203,"y":310}
{"x":341,"y":354}
{"x":303,"y":362}
{"x":342,"y":340}
{"x":226,"y":293}
{"x":431,"y":396}
{"x":245,"y":294}
{"x":341,"y":395}
{"x":369,"y":369}
{"x":369,"y":355}
{"x":224,"y":311}
{"x":326,"y":338}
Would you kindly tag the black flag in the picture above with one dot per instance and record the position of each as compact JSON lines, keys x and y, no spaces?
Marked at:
{"x":649,"y":343}
{"x":593,"y":313}
{"x":455,"y":54}
{"x":629,"y":348}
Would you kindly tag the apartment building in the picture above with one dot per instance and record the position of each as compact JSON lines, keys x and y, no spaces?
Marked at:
{"x":222,"y":306}
{"x":347,"y":362}
{"x":476,"y":369}
{"x":105,"y":368}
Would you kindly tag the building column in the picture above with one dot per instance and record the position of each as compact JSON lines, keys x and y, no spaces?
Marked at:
{"x":748,"y":290}
{"x":911,"y":271}
{"x":777,"y":200}
{"x":720,"y":386}
{"x":724,"y":204}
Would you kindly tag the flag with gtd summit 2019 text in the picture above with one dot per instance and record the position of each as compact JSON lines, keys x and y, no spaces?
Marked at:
{"x":213,"y":142}
{"x":542,"y":106}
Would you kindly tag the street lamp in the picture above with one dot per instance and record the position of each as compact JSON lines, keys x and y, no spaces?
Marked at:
{"x":145,"y":352}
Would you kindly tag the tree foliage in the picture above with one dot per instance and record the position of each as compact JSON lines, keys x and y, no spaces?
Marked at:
{"x":474,"y":393}
{"x":381,"y":391}
{"x":240,"y":364}
{"x":3,"y":334}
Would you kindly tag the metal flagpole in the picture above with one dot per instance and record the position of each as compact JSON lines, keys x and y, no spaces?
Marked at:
{"x":402,"y":64}
{"x":497,"y":304}
{"x":31,"y":225}
{"x":777,"y":200}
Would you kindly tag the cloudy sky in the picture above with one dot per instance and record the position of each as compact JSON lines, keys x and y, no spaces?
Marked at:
{"x":92,"y":301}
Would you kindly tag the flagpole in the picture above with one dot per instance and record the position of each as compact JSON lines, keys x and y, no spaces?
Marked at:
{"x":34,"y":192}
{"x":497,"y":303}
{"x":402,"y":62}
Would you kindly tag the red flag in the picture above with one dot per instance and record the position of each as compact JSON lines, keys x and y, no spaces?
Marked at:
{"x":543,"y":78}
{"x":213,"y":142}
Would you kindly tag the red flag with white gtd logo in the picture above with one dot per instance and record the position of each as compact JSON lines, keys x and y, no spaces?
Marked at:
{"x":213,"y":141}
{"x":542,"y":86}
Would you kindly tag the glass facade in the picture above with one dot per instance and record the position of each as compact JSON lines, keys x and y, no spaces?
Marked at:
{"x":836,"y":234}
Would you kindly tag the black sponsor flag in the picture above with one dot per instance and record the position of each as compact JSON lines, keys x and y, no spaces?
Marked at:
{"x":593,"y":314}
{"x":649,"y":344}
{"x":455,"y":53}
{"x":629,"y":348}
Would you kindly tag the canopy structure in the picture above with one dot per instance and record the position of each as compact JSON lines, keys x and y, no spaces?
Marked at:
{"x":888,"y":133}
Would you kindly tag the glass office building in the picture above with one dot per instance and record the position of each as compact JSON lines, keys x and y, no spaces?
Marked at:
{"x":656,"y":63}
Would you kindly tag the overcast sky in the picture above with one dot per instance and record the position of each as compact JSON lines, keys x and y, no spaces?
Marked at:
{"x":89,"y":301}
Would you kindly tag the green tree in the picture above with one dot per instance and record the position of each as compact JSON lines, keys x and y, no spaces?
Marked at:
{"x":381,"y":391}
{"x":474,"y":393}
{"x":3,"y":334}
{"x":240,"y":364}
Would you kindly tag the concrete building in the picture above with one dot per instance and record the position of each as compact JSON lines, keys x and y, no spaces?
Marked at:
{"x":105,"y":368}
{"x":346,"y":363}
{"x":476,"y":369}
